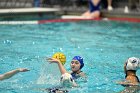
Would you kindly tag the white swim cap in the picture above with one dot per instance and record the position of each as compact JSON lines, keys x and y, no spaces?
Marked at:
{"x":67,"y":80}
{"x":133,"y":63}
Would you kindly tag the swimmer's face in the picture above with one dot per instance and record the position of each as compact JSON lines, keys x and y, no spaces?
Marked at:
{"x":75,"y":65}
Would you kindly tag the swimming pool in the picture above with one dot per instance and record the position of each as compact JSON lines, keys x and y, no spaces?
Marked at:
{"x":105,"y":45}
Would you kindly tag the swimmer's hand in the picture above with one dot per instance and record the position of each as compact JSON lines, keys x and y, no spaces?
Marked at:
{"x":53,"y":60}
{"x":22,"y":69}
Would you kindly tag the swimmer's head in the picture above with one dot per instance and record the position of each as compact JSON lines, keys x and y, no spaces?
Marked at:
{"x":132,"y":63}
{"x":80,"y":59}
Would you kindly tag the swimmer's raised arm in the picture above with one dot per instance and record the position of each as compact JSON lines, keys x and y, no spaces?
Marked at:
{"x":9,"y":74}
{"x":61,"y":67}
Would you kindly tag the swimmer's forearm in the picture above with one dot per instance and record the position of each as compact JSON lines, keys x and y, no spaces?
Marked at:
{"x":9,"y":74}
{"x":62,"y":69}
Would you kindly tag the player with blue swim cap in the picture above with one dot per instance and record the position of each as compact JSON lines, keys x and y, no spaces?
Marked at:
{"x":76,"y":66}
{"x":80,"y":59}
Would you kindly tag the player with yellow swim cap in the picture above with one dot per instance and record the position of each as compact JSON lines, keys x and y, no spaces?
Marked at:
{"x":60,"y":56}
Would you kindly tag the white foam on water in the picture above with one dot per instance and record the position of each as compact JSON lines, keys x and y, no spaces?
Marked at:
{"x":49,"y":74}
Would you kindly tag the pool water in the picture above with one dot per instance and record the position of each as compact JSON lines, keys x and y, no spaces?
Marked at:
{"x":104,"y":45}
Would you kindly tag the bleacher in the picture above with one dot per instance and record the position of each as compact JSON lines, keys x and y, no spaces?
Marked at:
{"x":75,"y":6}
{"x":5,"y":4}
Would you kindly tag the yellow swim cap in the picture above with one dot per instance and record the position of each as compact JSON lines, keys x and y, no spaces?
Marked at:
{"x":60,"y":56}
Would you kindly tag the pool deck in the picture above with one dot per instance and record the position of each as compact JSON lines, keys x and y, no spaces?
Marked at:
{"x":27,"y":10}
{"x":8,"y":14}
{"x":120,"y":13}
{"x":117,"y":12}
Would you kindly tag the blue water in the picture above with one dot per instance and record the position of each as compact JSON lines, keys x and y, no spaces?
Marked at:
{"x":104,"y":45}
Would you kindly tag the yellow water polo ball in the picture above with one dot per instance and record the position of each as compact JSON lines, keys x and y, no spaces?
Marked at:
{"x":60,"y":56}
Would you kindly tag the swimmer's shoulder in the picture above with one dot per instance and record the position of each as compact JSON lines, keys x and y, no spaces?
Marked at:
{"x":127,"y":83}
{"x":82,"y":74}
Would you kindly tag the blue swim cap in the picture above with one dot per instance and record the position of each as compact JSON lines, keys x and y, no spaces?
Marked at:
{"x":80,"y":59}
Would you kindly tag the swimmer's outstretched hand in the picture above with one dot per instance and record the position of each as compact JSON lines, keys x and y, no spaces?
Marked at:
{"x":23,"y":69}
{"x":53,"y":60}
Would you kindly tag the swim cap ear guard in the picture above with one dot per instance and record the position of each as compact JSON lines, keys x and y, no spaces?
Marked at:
{"x":80,"y":59}
{"x":133,"y":63}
